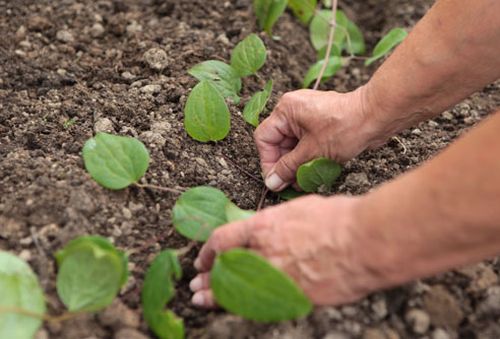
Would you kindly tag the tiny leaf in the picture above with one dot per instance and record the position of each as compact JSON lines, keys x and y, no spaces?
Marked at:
{"x":334,"y":64}
{"x":319,"y":29}
{"x":249,"y":55}
{"x":386,"y":44}
{"x":318,"y":173}
{"x":90,"y":274}
{"x":256,"y":104}
{"x":115,"y":162}
{"x":289,"y":193}
{"x":157,"y":291}
{"x":246,"y":284}
{"x":223,"y":76}
{"x":19,"y":289}
{"x":234,"y":213}
{"x":356,"y":38}
{"x":303,"y":9}
{"x":198,"y":211}
{"x":206,"y":116}
{"x":268,"y":12}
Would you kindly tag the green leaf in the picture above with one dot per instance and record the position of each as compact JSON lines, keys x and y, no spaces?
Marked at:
{"x":318,"y":174}
{"x":198,"y":211}
{"x":319,"y":29}
{"x":157,"y":291}
{"x":19,"y":288}
{"x":246,"y":284}
{"x":115,"y":162}
{"x":335,"y":51}
{"x":206,"y":116}
{"x":256,"y":104}
{"x":223,"y":76}
{"x":334,"y":64}
{"x":356,"y":37}
{"x":386,"y":44}
{"x":249,"y":55}
{"x":268,"y":12}
{"x":289,"y":193}
{"x":234,"y":213}
{"x":303,"y":9}
{"x":90,"y":275}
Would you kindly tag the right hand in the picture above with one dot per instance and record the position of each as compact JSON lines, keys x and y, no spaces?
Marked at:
{"x":308,"y":124}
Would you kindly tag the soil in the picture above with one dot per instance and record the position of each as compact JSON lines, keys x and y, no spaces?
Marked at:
{"x":69,"y":68}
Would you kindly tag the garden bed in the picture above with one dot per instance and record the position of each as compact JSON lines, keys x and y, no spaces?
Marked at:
{"x":68,"y":69}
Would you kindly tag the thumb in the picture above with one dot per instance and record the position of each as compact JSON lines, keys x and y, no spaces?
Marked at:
{"x":283,"y":172}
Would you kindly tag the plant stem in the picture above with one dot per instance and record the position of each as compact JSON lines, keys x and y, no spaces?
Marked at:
{"x":44,"y":317}
{"x":254,"y":177}
{"x":159,"y":188}
{"x":333,"y":25}
{"x":262,"y":198}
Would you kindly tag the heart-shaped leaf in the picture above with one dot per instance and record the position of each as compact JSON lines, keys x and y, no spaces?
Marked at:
{"x":303,"y":9}
{"x":334,"y":64}
{"x":256,"y":104}
{"x":90,"y":274}
{"x":157,"y":291}
{"x":115,"y":162}
{"x":319,"y":29}
{"x":234,"y":213}
{"x":198,"y":211}
{"x":386,"y":44}
{"x":246,"y":284}
{"x":318,"y":174}
{"x":223,"y":76}
{"x":206,"y":116}
{"x":19,"y":289}
{"x":268,"y":12}
{"x":249,"y":55}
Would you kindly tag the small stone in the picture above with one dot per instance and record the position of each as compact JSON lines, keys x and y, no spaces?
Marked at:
{"x":97,"y":30}
{"x":156,"y":58}
{"x":162,"y":127}
{"x":447,"y":115}
{"x":223,"y":39}
{"x":151,"y":89}
{"x":104,"y":125}
{"x":432,"y":123}
{"x":129,"y":333}
{"x":418,"y":320}
{"x":118,"y":315}
{"x":153,"y":139}
{"x":349,"y":311}
{"x":21,"y":33}
{"x":485,"y":279}
{"x":25,"y":255}
{"x":127,"y":214}
{"x":443,"y":308}
{"x":133,"y":28}
{"x":128,"y":76}
{"x":439,"y":333}
{"x":64,"y":36}
{"x":491,"y":305}
{"x":379,"y":307}
{"x":357,"y":180}
{"x":416,"y":131}
{"x":38,"y":23}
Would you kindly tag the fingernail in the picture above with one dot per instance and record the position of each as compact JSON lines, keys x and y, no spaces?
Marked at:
{"x":198,"y":299}
{"x":197,"y":264}
{"x":274,"y":182}
{"x":195,"y":284}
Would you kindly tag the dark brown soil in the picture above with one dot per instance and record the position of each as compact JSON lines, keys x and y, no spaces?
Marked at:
{"x":69,"y":68}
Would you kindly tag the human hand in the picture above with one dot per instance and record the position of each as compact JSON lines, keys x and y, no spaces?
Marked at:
{"x":308,"y":124}
{"x":310,"y":238}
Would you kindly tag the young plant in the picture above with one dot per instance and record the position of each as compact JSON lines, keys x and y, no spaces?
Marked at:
{"x":248,"y":56}
{"x":268,"y":12}
{"x":386,"y":44}
{"x":157,"y":291}
{"x":303,"y":9}
{"x":318,"y":175}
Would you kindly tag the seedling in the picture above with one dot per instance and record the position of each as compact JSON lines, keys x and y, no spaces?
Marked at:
{"x":318,"y":174}
{"x":268,"y":12}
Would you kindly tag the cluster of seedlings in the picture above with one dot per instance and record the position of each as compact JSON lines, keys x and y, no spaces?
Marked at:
{"x":91,"y":271}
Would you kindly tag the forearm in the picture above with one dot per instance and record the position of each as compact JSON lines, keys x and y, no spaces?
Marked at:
{"x":442,"y":215}
{"x":452,"y":52}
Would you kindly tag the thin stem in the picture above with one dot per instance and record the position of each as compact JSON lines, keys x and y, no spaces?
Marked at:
{"x":262,"y":198}
{"x":159,"y":188}
{"x":254,"y":177}
{"x":186,"y":249}
{"x":44,"y":317}
{"x":329,"y":45}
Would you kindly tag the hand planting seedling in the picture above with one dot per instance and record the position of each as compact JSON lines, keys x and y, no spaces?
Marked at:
{"x":91,"y":273}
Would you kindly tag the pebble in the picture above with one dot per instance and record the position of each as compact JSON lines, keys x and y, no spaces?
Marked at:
{"x":357,"y":179}
{"x":127,"y":75}
{"x":443,"y":308}
{"x":64,"y":36}
{"x":447,"y":115}
{"x":491,"y":305}
{"x":133,"y":28}
{"x":118,"y":315}
{"x":162,"y":127}
{"x":151,"y":89}
{"x":25,"y":255}
{"x":432,"y":123}
{"x":153,"y":139}
{"x":129,"y":333}
{"x":156,"y":58}
{"x":97,"y":30}
{"x":379,"y":307}
{"x":416,"y":131}
{"x":38,"y":23}
{"x":127,"y":214}
{"x":104,"y":125}
{"x":418,"y":320}
{"x":439,"y":333}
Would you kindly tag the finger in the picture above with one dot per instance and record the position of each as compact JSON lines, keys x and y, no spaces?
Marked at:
{"x":200,"y":282}
{"x":232,"y":235}
{"x":283,"y":172}
{"x":204,"y":299}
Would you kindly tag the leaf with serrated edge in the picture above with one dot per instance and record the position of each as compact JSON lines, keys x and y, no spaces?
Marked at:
{"x":334,"y":64}
{"x":115,"y":162}
{"x":256,"y":104}
{"x":321,"y":172}
{"x":198,"y":211}
{"x":319,"y":29}
{"x":157,"y":291}
{"x":19,"y":288}
{"x":249,"y":55}
{"x":386,"y":44}
{"x":222,"y":75}
{"x":268,"y":12}
{"x":246,"y":284}
{"x":206,"y":116}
